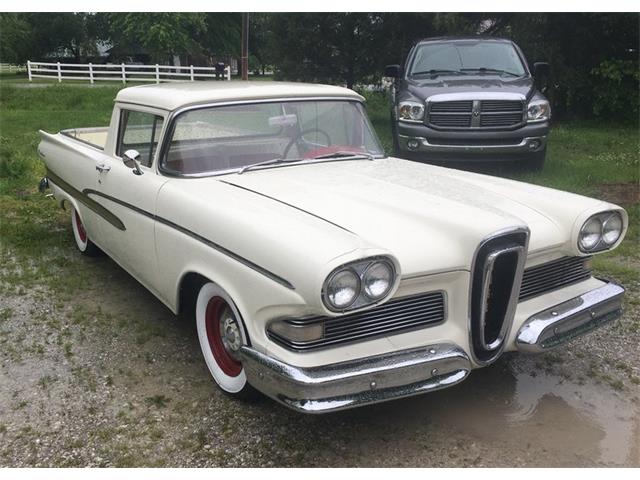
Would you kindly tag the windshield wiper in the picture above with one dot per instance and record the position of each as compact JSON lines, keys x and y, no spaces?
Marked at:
{"x":273,"y":161}
{"x":491,"y":70}
{"x":438,"y":72}
{"x":344,"y":154}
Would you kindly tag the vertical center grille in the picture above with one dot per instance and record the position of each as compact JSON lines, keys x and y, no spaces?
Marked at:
{"x":495,"y":285}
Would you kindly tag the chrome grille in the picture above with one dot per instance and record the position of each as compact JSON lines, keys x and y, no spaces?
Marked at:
{"x":553,"y":275}
{"x":477,"y":114}
{"x":396,"y":316}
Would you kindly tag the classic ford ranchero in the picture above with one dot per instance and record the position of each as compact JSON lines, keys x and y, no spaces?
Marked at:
{"x":318,"y":270}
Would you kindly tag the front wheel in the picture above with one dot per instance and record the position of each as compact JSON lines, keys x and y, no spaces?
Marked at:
{"x":83,"y":242}
{"x":221,"y":334}
{"x":535,"y":162}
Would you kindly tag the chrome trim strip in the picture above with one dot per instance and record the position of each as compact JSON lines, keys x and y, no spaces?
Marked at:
{"x":462,"y":96}
{"x":522,"y":146}
{"x":85,"y":200}
{"x":358,"y":382}
{"x":515,"y":291}
{"x":195,"y":236}
{"x":568,"y":320}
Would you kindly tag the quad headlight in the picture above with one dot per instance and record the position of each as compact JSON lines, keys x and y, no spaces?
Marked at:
{"x":358,"y":284}
{"x":411,"y":111}
{"x":600,"y":232}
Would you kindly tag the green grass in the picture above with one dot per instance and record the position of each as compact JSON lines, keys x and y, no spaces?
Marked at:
{"x":582,"y":157}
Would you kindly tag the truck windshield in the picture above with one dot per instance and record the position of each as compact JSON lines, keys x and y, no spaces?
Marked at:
{"x":466,"y":57}
{"x":229,"y":138}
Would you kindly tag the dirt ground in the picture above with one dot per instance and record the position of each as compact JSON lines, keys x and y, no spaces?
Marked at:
{"x":107,"y":376}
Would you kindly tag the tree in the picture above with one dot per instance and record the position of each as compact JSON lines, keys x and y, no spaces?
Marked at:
{"x":15,"y":38}
{"x":161,"y":35}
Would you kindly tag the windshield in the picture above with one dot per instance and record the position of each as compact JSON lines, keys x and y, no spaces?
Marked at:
{"x":468,"y":58}
{"x":215,"y":139}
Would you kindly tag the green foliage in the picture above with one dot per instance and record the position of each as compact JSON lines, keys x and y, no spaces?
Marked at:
{"x":15,"y":35}
{"x":616,"y":92}
{"x":161,"y":35}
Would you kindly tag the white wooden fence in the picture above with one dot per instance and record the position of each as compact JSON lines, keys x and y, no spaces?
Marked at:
{"x":121,"y":72}
{"x":10,"y":68}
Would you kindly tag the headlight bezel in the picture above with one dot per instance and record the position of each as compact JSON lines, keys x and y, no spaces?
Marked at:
{"x":543,"y":114}
{"x":409,"y":115}
{"x":360,"y":267}
{"x":602,"y":218}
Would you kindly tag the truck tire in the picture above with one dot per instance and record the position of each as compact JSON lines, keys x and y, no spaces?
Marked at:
{"x":83,"y":242}
{"x":220,"y":333}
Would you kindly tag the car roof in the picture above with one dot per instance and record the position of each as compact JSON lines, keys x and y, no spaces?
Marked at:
{"x":172,"y":96}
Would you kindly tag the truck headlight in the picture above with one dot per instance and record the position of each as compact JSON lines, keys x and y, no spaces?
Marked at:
{"x":358,"y":284}
{"x":600,"y":232}
{"x":538,"y":111}
{"x":411,"y":111}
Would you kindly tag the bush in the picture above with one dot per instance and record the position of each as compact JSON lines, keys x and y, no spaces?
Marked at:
{"x":616,"y":84}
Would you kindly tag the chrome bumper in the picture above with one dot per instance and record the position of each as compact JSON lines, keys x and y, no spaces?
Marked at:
{"x":359,"y":382}
{"x":526,"y":145}
{"x":570,"y":319}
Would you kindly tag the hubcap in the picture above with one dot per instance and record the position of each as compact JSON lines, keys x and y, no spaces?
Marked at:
{"x":225,"y":338}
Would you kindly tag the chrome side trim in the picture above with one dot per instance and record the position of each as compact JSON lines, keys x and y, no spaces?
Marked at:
{"x":570,"y":319}
{"x":358,"y":382}
{"x":195,"y":236}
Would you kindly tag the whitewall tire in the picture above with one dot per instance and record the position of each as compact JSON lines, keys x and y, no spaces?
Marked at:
{"x":221,"y":333}
{"x":84,"y":244}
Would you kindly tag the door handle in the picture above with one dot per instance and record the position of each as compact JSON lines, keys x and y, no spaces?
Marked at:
{"x":101,"y":167}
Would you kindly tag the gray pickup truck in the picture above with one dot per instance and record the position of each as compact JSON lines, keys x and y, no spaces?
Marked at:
{"x":469,"y":99}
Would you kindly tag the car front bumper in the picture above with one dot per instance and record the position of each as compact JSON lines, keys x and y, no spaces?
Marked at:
{"x":404,"y":373}
{"x":420,"y":141}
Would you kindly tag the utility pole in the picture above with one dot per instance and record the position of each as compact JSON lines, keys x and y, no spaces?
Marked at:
{"x":245,"y":46}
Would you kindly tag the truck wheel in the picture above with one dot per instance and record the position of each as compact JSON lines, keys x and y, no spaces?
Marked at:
{"x":535,"y":163}
{"x":84,"y":244}
{"x":221,"y":334}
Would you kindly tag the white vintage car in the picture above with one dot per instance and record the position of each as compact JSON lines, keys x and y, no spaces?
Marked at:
{"x":320,"y":271}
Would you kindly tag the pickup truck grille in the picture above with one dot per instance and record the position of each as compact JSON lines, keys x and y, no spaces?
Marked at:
{"x":476,"y":114}
{"x":398,"y":315}
{"x":553,"y":275}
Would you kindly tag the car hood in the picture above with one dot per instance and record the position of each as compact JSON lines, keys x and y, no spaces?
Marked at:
{"x":425,"y":87}
{"x":430,"y":218}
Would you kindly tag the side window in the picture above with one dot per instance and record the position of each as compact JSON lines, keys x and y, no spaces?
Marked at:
{"x":139,"y":131}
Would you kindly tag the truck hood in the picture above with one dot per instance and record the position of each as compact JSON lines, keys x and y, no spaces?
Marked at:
{"x":424,"y":88}
{"x":430,"y":218}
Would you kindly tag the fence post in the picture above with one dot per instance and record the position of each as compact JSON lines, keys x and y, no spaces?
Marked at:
{"x":90,"y":72}
{"x":228,"y":69}
{"x":29,"y":69}
{"x":157,"y":74}
{"x":59,"y":73}
{"x":192,"y":73}
{"x":124,"y":75}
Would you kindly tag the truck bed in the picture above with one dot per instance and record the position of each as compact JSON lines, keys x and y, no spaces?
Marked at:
{"x":94,"y":136}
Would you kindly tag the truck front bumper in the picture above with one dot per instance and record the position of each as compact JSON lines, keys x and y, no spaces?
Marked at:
{"x":419,"y":141}
{"x":404,"y":373}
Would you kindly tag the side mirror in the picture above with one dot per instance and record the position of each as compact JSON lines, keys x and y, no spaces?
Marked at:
{"x":541,"y":69}
{"x":392,"y":71}
{"x":130,"y":159}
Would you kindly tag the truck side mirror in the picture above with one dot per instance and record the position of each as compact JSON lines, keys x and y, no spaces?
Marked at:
{"x":130,"y":160}
{"x":541,"y":69}
{"x":392,"y":71}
